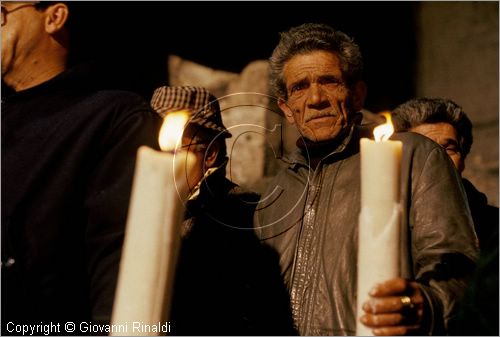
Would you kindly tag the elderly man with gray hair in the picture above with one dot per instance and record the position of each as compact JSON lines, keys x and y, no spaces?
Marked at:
{"x":313,"y":222}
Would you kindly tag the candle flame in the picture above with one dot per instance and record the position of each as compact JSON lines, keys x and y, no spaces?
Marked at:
{"x":172,"y":129}
{"x":384,"y":131}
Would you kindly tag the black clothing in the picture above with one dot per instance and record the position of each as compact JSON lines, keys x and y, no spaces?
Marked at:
{"x":478,"y":315}
{"x":479,"y":312}
{"x":227,"y":283}
{"x":68,"y":155}
{"x":485,"y":217}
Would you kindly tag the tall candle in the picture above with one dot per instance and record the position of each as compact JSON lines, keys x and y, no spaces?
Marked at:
{"x":378,"y":235}
{"x":152,"y":236}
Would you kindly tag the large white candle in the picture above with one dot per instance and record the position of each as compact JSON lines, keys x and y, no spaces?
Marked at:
{"x":378,"y":235}
{"x":152,"y":236}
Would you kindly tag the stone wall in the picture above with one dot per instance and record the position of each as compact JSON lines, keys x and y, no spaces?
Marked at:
{"x":457,"y":58}
{"x":260,"y":133}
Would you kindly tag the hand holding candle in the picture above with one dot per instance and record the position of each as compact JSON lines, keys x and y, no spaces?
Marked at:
{"x":378,"y":252}
{"x":152,"y":233}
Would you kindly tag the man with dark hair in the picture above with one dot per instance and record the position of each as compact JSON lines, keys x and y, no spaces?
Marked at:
{"x":226,"y":283}
{"x":445,"y":122}
{"x":68,"y":155}
{"x":441,"y":120}
{"x":313,"y":221}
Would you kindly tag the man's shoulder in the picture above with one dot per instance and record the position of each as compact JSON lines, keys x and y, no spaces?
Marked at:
{"x":115,"y":105}
{"x":243,"y":194}
{"x":473,"y":194}
{"x":417,"y":149}
{"x":413,"y":140}
{"x":117,"y":98}
{"x":237,"y":197}
{"x":83,"y":84}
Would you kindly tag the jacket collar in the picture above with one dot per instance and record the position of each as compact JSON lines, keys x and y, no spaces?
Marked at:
{"x":346,"y":143}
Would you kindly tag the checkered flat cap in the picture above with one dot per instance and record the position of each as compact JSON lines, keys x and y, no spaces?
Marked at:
{"x":202,"y":105}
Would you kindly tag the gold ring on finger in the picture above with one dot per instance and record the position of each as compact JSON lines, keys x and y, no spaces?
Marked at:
{"x":406,"y":302}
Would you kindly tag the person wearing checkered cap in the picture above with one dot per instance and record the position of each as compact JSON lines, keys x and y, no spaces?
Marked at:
{"x":205,"y":133}
{"x":203,"y":106}
{"x":223,"y":284}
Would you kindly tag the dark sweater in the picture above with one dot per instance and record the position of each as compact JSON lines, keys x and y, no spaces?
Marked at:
{"x":227,"y":283}
{"x":68,"y":156}
{"x":478,"y":314}
{"x":485,"y":217}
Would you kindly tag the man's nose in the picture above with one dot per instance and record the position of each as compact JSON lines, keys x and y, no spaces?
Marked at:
{"x":316,"y":96}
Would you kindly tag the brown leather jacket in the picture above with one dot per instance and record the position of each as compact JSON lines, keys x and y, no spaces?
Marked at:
{"x":310,"y":217}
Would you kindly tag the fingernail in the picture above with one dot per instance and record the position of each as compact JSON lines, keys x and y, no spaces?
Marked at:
{"x":373,"y":291}
{"x":377,"y":331}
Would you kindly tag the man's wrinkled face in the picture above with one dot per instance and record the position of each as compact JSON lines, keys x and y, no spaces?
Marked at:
{"x":318,"y":101}
{"x":445,"y":135}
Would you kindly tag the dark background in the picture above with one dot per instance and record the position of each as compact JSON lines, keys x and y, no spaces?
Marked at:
{"x":130,"y":41}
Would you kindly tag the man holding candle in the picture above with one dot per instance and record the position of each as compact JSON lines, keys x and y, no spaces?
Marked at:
{"x":68,"y":154}
{"x":313,"y":224}
{"x":226,"y":282}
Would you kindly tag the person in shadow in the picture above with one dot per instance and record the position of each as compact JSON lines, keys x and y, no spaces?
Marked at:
{"x":446,"y":123}
{"x":226,"y":282}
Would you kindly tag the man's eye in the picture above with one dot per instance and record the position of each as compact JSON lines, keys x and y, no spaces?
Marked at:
{"x":330,"y":81}
{"x":452,"y":149}
{"x":298,"y":87}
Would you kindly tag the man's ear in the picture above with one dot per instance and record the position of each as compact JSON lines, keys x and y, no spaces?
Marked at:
{"x":56,"y":16}
{"x":359,"y":94}
{"x":286,"y":110}
{"x":210,"y":156}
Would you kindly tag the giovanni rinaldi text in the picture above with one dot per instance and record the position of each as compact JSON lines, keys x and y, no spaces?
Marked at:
{"x":44,"y":328}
